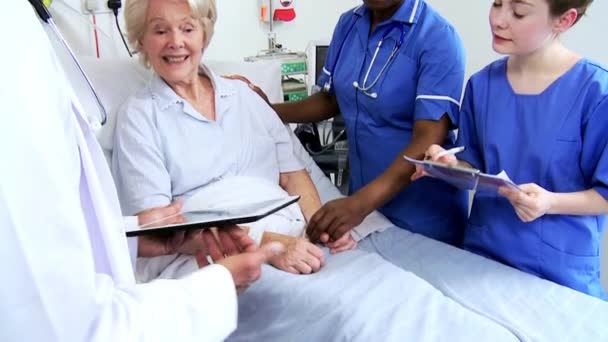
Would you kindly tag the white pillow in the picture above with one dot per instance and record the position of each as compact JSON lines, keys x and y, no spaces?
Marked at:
{"x":114,"y":80}
{"x":117,"y":79}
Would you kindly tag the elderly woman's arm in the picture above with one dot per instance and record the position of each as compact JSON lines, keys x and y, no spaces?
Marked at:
{"x":299,"y":183}
{"x":300,"y":256}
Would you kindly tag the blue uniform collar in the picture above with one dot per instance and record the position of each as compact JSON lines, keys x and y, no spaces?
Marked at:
{"x":409,"y":12}
{"x":166,"y":97}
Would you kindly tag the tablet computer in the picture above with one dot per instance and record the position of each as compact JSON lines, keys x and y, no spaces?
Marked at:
{"x":216,"y":217}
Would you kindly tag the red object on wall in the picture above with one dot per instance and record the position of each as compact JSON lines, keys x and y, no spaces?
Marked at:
{"x":284,"y":14}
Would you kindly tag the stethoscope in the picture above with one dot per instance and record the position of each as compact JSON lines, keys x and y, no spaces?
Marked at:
{"x":365,"y":87}
{"x":44,"y":14}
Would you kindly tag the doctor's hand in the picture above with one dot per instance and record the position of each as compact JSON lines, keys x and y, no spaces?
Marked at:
{"x":151,"y":246}
{"x":434,"y":153}
{"x":300,"y":257}
{"x":345,"y":243}
{"x":245,"y":267}
{"x":530,"y":203}
{"x":335,"y":219}
{"x":252,"y":86}
{"x":217,"y":244}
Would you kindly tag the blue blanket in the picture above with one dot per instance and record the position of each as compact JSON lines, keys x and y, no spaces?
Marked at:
{"x":357,"y":296}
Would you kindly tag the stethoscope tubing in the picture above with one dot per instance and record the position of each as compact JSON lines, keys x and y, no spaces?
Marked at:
{"x":44,"y":14}
{"x":364,"y":87}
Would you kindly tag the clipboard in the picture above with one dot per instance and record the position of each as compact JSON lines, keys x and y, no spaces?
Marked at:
{"x":216,"y":217}
{"x":464,"y":178}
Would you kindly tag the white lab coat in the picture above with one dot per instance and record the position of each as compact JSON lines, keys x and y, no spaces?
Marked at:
{"x":66,"y":270}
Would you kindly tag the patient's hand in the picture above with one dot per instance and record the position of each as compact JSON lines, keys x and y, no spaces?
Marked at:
{"x":151,"y":246}
{"x":300,"y":257}
{"x":345,"y":243}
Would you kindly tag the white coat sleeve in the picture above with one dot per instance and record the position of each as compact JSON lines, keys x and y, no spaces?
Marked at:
{"x":57,"y":281}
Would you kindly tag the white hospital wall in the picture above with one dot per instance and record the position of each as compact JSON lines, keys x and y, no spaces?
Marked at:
{"x":239,"y":34}
{"x":471,"y":21}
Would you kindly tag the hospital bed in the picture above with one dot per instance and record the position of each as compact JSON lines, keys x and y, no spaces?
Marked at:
{"x":455,"y":295}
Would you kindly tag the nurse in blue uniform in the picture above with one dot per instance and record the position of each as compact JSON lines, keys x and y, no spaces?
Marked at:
{"x":541,"y":114}
{"x":394,"y":70}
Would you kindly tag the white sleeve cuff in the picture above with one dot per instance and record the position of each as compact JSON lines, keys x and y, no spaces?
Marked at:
{"x":256,"y":232}
{"x":374,"y":222}
{"x":130,"y":222}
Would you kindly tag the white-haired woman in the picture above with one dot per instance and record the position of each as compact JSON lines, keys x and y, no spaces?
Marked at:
{"x":188,"y":128}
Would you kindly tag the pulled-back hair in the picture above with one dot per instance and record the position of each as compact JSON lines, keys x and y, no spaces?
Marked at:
{"x":559,"y":7}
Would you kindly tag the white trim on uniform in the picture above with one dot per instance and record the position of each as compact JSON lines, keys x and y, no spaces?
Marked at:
{"x":326,"y":72}
{"x":437,"y":97}
{"x":414,"y":11}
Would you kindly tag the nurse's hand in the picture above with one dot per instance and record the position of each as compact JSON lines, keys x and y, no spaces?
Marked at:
{"x":335,"y":219}
{"x":300,"y":257}
{"x":252,"y":86}
{"x":434,"y":153}
{"x":345,"y":243}
{"x":530,"y":203}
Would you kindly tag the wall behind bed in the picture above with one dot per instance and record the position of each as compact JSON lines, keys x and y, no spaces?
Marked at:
{"x":239,"y":33}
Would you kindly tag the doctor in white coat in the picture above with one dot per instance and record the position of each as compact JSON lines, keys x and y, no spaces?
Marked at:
{"x":67,"y":271}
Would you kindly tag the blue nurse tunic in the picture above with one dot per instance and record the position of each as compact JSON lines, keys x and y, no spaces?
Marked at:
{"x":423,"y":82}
{"x":557,"y":139}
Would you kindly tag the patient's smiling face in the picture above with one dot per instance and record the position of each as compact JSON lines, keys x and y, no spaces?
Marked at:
{"x":173,"y":40}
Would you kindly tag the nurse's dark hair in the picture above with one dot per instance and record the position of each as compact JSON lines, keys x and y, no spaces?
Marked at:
{"x":559,"y":7}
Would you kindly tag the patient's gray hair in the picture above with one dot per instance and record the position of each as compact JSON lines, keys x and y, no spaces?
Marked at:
{"x":135,"y":17}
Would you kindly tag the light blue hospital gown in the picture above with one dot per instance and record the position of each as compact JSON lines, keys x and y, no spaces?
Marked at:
{"x":165,"y":149}
{"x":423,"y":82}
{"x":557,"y":139}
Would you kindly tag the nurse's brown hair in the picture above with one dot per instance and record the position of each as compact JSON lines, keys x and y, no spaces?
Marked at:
{"x":559,"y":7}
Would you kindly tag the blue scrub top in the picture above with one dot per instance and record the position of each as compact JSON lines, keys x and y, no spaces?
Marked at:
{"x":557,"y":139}
{"x":423,"y":82}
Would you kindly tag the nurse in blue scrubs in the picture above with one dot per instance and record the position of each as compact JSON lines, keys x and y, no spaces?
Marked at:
{"x":396,"y":99}
{"x":541,"y":114}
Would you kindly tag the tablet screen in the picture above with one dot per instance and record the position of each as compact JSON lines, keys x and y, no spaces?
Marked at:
{"x":217,"y":217}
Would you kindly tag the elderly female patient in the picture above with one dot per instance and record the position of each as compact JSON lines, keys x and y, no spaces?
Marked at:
{"x":188,"y":128}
